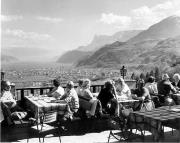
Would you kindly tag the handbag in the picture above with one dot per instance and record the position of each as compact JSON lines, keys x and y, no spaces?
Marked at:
{"x":147,"y":106}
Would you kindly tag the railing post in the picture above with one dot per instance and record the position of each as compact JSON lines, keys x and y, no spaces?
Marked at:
{"x":94,"y":88}
{"x":41,"y":91}
{"x":22,"y":98}
{"x":32,"y":91}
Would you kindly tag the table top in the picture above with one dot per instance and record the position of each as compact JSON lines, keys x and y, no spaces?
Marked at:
{"x":163,"y":113}
{"x":45,"y":103}
{"x":125,"y":100}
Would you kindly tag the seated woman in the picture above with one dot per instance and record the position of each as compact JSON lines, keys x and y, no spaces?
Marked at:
{"x":108,"y":99}
{"x":57,"y":91}
{"x":122,"y":89}
{"x":141,"y":94}
{"x":87,"y":95}
{"x":151,"y":85}
{"x":71,"y":98}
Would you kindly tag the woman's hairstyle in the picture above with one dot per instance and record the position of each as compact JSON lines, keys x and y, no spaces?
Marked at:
{"x":108,"y":85}
{"x":70,"y":84}
{"x":176,"y":76}
{"x":56,"y":82}
{"x":140,"y":83}
{"x":120,"y":80}
{"x":151,"y":79}
{"x":86,"y":82}
{"x":80,"y":82}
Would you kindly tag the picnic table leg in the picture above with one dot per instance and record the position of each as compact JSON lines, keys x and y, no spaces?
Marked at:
{"x":159,"y":135}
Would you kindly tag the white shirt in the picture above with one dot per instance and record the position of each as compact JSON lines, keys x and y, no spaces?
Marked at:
{"x":58,"y":92}
{"x":125,"y":92}
{"x":152,"y":87}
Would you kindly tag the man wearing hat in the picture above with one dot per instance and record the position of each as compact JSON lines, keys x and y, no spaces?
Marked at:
{"x":164,"y":88}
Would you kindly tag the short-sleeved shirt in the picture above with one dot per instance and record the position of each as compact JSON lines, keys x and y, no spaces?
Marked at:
{"x":125,"y":92}
{"x":143,"y":93}
{"x":152,"y":87}
{"x":86,"y":93}
{"x":72,"y":99}
{"x":58,"y":92}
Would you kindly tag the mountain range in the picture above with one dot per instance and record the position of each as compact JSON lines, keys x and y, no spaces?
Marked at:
{"x":158,"y":45}
{"x":7,"y":59}
{"x":98,"y":41}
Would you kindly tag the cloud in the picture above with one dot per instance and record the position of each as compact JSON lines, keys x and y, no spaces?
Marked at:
{"x":27,"y":35}
{"x":49,"y":19}
{"x":8,"y":18}
{"x":118,"y":20}
{"x":143,"y":17}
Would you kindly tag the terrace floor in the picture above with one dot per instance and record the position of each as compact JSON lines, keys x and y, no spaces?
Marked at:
{"x":19,"y":133}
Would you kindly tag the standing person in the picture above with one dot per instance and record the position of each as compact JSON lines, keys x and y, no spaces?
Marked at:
{"x":71,"y":98}
{"x":122,"y":89}
{"x":108,"y":99}
{"x":57,"y":91}
{"x":164,"y":89}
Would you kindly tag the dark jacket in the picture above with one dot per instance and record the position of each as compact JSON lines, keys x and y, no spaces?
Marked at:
{"x":105,"y":96}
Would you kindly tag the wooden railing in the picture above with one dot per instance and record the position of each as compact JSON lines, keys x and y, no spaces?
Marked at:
{"x":21,"y":92}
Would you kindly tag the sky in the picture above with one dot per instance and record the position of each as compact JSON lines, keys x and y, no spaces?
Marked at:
{"x":44,"y":29}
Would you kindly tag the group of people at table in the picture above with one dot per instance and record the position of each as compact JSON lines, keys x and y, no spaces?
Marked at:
{"x":106,"y":102}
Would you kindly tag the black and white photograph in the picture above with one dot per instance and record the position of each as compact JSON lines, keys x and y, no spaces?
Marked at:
{"x":90,"y":71}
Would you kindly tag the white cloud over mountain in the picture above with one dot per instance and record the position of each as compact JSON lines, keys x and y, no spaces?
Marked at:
{"x":142,"y":17}
{"x":7,"y":18}
{"x":26,"y":35}
{"x":50,"y":19}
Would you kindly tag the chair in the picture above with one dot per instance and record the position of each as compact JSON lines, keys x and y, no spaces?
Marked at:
{"x":10,"y":117}
{"x":47,"y":122}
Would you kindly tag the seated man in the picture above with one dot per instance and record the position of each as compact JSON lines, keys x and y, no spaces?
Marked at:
{"x":71,"y":98}
{"x":57,"y":91}
{"x":108,"y":99}
{"x":79,"y":89}
{"x":165,"y":88}
{"x":9,"y":105}
{"x":176,"y":82}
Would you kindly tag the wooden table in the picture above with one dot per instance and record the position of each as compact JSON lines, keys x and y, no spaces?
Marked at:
{"x":40,"y":105}
{"x":157,"y":117}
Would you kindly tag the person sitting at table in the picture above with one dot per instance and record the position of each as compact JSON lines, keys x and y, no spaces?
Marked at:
{"x":9,"y":104}
{"x":79,"y":89}
{"x":87,"y":95}
{"x":57,"y":91}
{"x":164,"y":89}
{"x":151,"y":85}
{"x":141,"y":94}
{"x":108,"y":99}
{"x":71,"y":98}
{"x":176,"y":82}
{"x":122,"y":89}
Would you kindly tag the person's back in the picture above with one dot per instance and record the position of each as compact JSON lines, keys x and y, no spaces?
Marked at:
{"x":105,"y":96}
{"x":164,"y":87}
{"x":151,"y":85}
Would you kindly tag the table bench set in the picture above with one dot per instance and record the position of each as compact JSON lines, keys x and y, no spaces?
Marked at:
{"x":153,"y":121}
